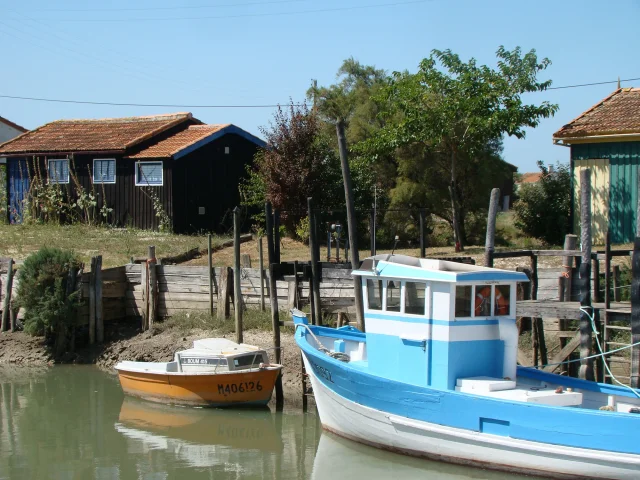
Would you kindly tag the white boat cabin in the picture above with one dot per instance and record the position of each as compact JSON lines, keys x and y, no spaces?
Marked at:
{"x":431,"y":322}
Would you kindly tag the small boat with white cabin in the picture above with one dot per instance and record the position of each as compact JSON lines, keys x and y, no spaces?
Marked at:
{"x":216,"y":372}
{"x":436,"y":376}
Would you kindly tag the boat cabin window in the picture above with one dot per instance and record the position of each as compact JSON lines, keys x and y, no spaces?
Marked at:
{"x":482,"y":301}
{"x":463,"y":300}
{"x":414,"y":298}
{"x":393,"y":296}
{"x":374,"y":294}
{"x":252,"y":359}
{"x":503,"y":300}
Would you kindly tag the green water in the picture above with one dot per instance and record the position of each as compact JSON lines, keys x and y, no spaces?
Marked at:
{"x":73,"y":422}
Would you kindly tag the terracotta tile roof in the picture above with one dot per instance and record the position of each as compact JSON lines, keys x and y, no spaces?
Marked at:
{"x":618,"y":113}
{"x":92,"y":135}
{"x":13,"y":125}
{"x":531,"y":177}
{"x":178,"y":142}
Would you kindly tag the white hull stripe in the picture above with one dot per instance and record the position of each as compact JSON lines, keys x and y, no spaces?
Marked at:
{"x":433,"y":332}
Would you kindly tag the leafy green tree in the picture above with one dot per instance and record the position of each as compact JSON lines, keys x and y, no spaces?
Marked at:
{"x":543,"y":208}
{"x":453,"y":111}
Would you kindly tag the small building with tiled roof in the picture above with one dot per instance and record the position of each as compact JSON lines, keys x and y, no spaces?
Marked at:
{"x":9,"y":130}
{"x":606,"y":139}
{"x":136,"y":166}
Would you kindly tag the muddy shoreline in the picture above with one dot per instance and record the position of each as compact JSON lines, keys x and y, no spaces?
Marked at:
{"x":123,"y":342}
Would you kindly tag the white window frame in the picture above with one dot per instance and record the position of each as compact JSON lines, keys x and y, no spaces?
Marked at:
{"x":93,"y":176}
{"x":146,"y":184}
{"x":53,"y":180}
{"x":404,"y":298}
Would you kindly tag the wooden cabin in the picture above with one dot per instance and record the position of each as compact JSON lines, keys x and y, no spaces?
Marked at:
{"x":143,"y":168}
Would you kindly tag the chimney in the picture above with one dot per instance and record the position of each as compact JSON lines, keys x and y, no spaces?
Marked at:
{"x":550,"y":168}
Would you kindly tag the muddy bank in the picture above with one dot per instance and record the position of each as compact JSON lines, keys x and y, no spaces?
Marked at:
{"x":124,"y":343}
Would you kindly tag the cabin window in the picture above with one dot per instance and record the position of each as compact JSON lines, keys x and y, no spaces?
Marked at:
{"x":482,"y":301}
{"x":59,"y":170}
{"x":149,"y":173}
{"x":374,"y":294}
{"x":463,"y":300}
{"x":393,"y":296}
{"x":104,"y":170}
{"x":503,"y":300}
{"x":414,"y":298}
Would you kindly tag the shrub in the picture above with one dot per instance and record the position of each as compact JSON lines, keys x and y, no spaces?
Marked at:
{"x":42,"y":291}
{"x":543,"y":209}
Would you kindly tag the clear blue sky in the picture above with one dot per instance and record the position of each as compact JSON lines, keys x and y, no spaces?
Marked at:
{"x":263,"y":52}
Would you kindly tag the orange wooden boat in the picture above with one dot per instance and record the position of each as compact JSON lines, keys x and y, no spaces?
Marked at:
{"x":216,"y":372}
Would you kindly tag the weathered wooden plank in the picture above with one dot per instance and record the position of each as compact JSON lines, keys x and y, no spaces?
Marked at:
{"x":564,"y":353}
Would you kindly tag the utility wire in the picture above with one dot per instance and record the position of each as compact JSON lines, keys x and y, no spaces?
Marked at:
{"x":595,"y":83}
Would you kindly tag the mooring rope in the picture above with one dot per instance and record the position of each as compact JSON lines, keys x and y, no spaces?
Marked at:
{"x":343,"y":357}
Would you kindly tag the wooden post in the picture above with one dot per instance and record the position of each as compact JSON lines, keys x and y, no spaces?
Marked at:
{"x":271,"y":254}
{"x":314,"y":284}
{"x":537,"y":323}
{"x":273,"y":297}
{"x":276,"y":235}
{"x":635,"y":314}
{"x":489,"y":244}
{"x":586,"y":366}
{"x":328,"y":244}
{"x":351,"y":221}
{"x":210,"y":265}
{"x":237,"y":275}
{"x":607,"y":272}
{"x":6,"y":307}
{"x":92,"y":303}
{"x":97,"y":278}
{"x":595,"y":266}
{"x":570,"y":242}
{"x":423,"y":243}
{"x":225,"y":289}
{"x":261,"y":267}
{"x":152,"y":277}
{"x":372,"y":232}
{"x":617,"y":291}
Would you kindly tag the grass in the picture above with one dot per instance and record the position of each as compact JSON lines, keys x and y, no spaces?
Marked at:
{"x":184,"y":322}
{"x":116,"y":245}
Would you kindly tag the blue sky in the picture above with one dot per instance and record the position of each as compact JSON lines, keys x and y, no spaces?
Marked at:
{"x":266,"y":51}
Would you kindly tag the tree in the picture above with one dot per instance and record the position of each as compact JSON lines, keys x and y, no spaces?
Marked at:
{"x":296,"y":163}
{"x":544,"y":207}
{"x":453,"y":111}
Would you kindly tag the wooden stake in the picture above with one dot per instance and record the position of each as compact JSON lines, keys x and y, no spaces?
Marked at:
{"x":276,"y":235}
{"x":261,"y":267}
{"x":586,"y":366}
{"x":6,"y":307}
{"x":351,"y":221}
{"x":237,"y":274}
{"x":210,"y":265}
{"x":225,"y":288}
{"x":570,"y":242}
{"x":314,"y":283}
{"x":271,"y":254}
{"x":153,"y":286}
{"x":92,"y":303}
{"x":273,"y":296}
{"x":635,"y":314}
{"x":99,"y":308}
{"x":595,"y":267}
{"x":489,"y":244}
{"x":607,"y":297}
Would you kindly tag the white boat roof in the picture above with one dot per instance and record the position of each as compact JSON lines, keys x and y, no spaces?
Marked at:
{"x":404,"y":266}
{"x":221,"y":346}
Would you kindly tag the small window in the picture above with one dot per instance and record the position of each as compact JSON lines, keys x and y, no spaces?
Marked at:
{"x":463,"y":301}
{"x":227,"y":150}
{"x":374,"y":294}
{"x":482,"y":302}
{"x":59,"y":170}
{"x":414,"y":298}
{"x":503,"y":300}
{"x":148,"y":173}
{"x":104,"y":170}
{"x":393,"y":296}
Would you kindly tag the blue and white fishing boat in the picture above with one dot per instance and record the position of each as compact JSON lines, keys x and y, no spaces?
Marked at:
{"x":435,"y":375}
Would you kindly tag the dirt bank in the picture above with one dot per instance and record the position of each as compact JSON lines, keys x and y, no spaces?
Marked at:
{"x":123,"y":343}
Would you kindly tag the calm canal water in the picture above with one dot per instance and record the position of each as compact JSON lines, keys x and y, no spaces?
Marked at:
{"x":73,"y":422}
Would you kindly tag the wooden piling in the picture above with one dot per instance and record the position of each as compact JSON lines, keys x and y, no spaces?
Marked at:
{"x":617,"y":291}
{"x":607,"y":297}
{"x":6,"y":307}
{"x":92,"y":304}
{"x":152,"y":277}
{"x":98,"y":302}
{"x":271,"y":254}
{"x":489,"y":245}
{"x":314,"y":283}
{"x":595,"y":267}
{"x":237,"y":274}
{"x":570,"y":242}
{"x":586,"y":365}
{"x":210,"y":271}
{"x":276,"y":235}
{"x":261,"y":267}
{"x":635,"y":315}
{"x":225,"y":289}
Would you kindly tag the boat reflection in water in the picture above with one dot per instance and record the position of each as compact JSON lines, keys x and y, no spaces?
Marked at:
{"x":201,"y":437}
{"x":341,"y":458}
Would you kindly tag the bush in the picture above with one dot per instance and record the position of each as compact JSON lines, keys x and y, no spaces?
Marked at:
{"x":42,"y":291}
{"x":543,"y":209}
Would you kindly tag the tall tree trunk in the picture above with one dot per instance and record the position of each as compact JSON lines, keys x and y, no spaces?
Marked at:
{"x":455,"y":214}
{"x":351,"y":221}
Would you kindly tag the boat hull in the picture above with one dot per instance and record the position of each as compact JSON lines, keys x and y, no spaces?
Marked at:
{"x":404,"y":435}
{"x":210,"y":390}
